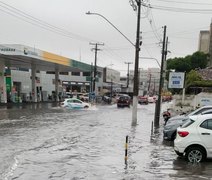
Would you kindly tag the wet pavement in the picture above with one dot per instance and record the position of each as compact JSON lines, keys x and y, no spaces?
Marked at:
{"x":44,"y":141}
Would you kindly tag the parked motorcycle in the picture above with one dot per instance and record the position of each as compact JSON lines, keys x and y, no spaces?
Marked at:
{"x":166,"y":115}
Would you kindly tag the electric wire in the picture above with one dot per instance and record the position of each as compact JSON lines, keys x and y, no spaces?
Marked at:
{"x":37,"y":22}
{"x":177,"y":9}
{"x":183,"y":2}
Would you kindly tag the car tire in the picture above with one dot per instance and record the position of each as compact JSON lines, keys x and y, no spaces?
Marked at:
{"x":86,"y":107}
{"x":195,"y":154}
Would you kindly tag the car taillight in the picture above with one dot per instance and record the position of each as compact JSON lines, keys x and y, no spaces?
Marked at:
{"x":183,"y":133}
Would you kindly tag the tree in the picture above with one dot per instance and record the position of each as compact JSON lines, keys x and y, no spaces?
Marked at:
{"x":186,"y":64}
{"x":192,"y":77}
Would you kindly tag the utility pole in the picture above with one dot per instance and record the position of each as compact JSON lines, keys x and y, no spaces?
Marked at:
{"x":128,"y":66}
{"x":95,"y":62}
{"x":150,"y":79}
{"x":158,"y":102}
{"x":136,"y":83}
{"x":165,"y":63}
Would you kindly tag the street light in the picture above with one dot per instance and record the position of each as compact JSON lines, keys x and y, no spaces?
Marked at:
{"x":151,"y":58}
{"x":97,"y":14}
{"x":137,"y":49}
{"x":128,"y":66}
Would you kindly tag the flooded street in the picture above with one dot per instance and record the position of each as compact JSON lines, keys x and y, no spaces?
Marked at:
{"x":44,"y":141}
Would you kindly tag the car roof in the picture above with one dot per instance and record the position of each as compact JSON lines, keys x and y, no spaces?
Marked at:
{"x":207,"y":112}
{"x":71,"y":99}
{"x":201,"y":117}
{"x":203,"y":107}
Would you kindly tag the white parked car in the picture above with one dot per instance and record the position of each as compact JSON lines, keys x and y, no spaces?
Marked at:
{"x":194,"y":138}
{"x":74,"y":103}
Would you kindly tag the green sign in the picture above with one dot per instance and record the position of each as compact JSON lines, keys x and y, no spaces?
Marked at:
{"x":8,"y":84}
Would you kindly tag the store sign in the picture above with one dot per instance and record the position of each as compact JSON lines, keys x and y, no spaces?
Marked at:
{"x":28,"y":52}
{"x":176,"y":80}
{"x":7,"y":49}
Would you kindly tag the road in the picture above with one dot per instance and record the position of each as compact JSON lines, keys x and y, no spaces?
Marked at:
{"x":44,"y":141}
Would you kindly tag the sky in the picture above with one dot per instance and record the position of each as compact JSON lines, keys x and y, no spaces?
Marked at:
{"x":62,"y":27}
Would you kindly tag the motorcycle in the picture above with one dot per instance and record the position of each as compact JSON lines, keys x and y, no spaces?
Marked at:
{"x":166,"y":116}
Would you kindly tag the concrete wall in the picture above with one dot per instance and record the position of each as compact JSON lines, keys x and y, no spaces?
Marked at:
{"x":191,"y":102}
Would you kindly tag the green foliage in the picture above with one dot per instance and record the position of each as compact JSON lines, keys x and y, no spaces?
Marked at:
{"x":192,"y":77}
{"x":186,"y":64}
{"x":201,"y":83}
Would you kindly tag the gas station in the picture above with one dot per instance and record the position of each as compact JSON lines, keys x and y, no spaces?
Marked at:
{"x":25,"y":57}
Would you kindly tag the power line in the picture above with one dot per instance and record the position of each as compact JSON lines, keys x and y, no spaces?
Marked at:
{"x":8,"y":9}
{"x":174,"y":9}
{"x":183,"y":2}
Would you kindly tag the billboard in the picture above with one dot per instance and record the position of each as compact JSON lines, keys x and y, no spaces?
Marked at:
{"x":176,"y":80}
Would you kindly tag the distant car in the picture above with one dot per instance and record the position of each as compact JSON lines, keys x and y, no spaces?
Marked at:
{"x":124,"y":101}
{"x":170,"y":129}
{"x":84,"y":97}
{"x":142,"y":100}
{"x":74,"y":103}
{"x":151,"y":99}
{"x":194,"y":138}
{"x":106,"y":99}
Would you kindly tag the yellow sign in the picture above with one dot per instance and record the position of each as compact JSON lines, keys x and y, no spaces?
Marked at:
{"x":56,"y":58}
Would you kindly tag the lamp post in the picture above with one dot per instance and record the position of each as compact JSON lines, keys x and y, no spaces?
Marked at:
{"x":111,"y":80}
{"x":128,"y":66}
{"x":137,"y":49}
{"x":152,"y":59}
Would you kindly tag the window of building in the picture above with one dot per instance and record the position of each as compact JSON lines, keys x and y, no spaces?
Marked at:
{"x":86,"y":74}
{"x":75,"y":73}
{"x":63,"y":73}
{"x":99,"y":74}
{"x":50,"y":72}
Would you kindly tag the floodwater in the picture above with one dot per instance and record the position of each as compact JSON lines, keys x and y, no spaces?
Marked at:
{"x":44,"y":141}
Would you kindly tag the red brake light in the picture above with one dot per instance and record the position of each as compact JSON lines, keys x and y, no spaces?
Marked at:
{"x":183,"y":133}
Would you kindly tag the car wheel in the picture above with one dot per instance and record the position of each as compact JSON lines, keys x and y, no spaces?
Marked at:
{"x":195,"y":154}
{"x":86,"y":107}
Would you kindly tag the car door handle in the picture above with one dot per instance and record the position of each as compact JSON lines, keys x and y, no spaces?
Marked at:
{"x":205,"y":133}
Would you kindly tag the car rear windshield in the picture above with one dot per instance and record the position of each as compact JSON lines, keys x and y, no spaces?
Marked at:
{"x":187,"y":123}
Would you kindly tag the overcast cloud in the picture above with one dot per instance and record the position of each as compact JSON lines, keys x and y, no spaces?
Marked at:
{"x":69,"y":15}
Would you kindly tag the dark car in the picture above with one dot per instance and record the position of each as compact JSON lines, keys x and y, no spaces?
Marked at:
{"x":143,"y":100}
{"x":124,"y":101}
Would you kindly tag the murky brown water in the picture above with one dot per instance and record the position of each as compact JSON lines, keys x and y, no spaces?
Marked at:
{"x":46,"y":142}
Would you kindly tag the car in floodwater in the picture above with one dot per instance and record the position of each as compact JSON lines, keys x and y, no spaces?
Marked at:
{"x":143,"y":100}
{"x":193,"y":138}
{"x":74,"y":103}
{"x":124,"y":101}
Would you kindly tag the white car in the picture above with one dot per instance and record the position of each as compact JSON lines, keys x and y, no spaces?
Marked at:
{"x":151,"y":99}
{"x":74,"y":103}
{"x":194,"y":138}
